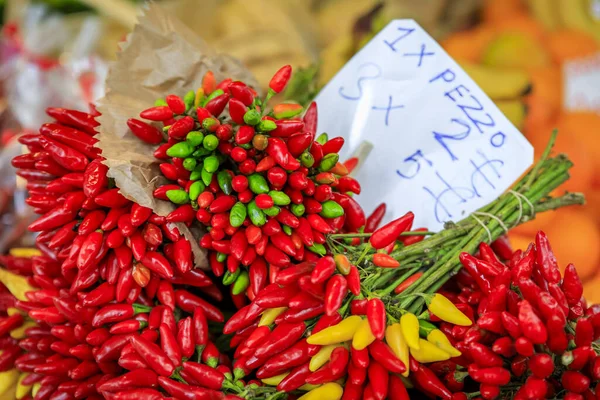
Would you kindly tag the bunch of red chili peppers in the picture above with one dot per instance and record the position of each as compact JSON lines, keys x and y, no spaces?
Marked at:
{"x":112,"y":275}
{"x":533,"y":334}
{"x":255,"y":176}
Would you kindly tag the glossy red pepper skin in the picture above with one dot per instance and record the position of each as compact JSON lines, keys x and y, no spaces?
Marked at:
{"x":280,"y":79}
{"x":72,"y":138}
{"x":188,"y":302}
{"x":144,"y":131}
{"x":169,"y":345}
{"x":335,"y":292}
{"x":389,"y":233}
{"x":77,"y":119}
{"x":205,"y":375}
{"x":282,"y":337}
{"x":153,"y":356}
{"x":139,"y":378}
{"x":376,"y":316}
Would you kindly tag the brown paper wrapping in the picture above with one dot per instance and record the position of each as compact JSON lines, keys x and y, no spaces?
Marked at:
{"x":160,"y":57}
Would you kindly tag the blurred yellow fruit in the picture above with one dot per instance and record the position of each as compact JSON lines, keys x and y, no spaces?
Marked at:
{"x":567,"y":45}
{"x":515,"y":50}
{"x":468,"y":45}
{"x":522,"y":24}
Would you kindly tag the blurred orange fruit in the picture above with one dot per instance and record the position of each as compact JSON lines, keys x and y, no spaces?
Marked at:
{"x":521,"y":23}
{"x":520,"y":241}
{"x":575,"y":238}
{"x":566,"y":45}
{"x":582,"y":173}
{"x":468,"y":45}
{"x":591,"y":290}
{"x":541,"y":221}
{"x":545,"y":99}
{"x":497,"y":10}
{"x":585,"y":127}
{"x":592,"y":204}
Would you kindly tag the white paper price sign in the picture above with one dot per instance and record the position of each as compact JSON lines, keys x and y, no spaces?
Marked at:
{"x":441,"y":148}
{"x":582,"y":84}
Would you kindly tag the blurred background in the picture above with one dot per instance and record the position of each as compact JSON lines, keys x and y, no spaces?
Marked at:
{"x":539,"y":60}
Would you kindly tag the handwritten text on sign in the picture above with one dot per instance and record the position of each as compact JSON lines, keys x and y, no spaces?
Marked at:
{"x":441,"y":147}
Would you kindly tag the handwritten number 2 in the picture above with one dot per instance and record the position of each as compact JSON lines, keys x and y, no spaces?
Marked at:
{"x":372,"y":71}
{"x":442,"y":137}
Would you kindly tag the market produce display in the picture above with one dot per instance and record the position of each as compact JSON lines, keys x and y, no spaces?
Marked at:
{"x":306,"y":296}
{"x":518,"y":55}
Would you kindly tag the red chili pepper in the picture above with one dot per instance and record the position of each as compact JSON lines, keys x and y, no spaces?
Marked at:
{"x":140,"y":378}
{"x":470,"y":264}
{"x":546,"y":259}
{"x":483,"y":356}
{"x":282,"y":337}
{"x":158,"y":263}
{"x":103,"y":294}
{"x":389,"y":233}
{"x":335,"y":292}
{"x":186,"y":392}
{"x":310,"y":119}
{"x":208,"y":377}
{"x":168,"y":344}
{"x":571,"y":285}
{"x":185,"y":337}
{"x":531,"y":325}
{"x":65,"y":156}
{"x":383,"y":260}
{"x":376,"y":315}
{"x":188,"y":302}
{"x":77,"y":119}
{"x":575,"y":382}
{"x":384,"y":355}
{"x":71,"y":137}
{"x":112,"y":199}
{"x":153,"y":356}
{"x":294,"y":356}
{"x":54,"y":218}
{"x":280,"y":79}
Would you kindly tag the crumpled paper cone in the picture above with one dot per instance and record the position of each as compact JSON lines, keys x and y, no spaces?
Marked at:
{"x":160,"y":57}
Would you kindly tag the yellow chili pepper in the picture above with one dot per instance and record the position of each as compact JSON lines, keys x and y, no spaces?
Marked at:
{"x":410,"y":330}
{"x":22,"y":390}
{"x":308,"y":387}
{"x":321,"y":358}
{"x":16,"y":284}
{"x":19,"y":333}
{"x":395,"y":339}
{"x":428,"y":353}
{"x":269,"y":316}
{"x":35,"y":388}
{"x":445,"y":310}
{"x":363,"y":336}
{"x":328,"y":391}
{"x":438,"y":338}
{"x":199,"y":96}
{"x":8,"y":379}
{"x":275,"y":380}
{"x":24,"y":252}
{"x":339,"y":333}
{"x":12,"y":311}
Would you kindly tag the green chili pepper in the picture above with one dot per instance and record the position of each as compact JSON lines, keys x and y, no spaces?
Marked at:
{"x":257,"y":216}
{"x":160,"y":102}
{"x":224,"y":180}
{"x":323,"y":138}
{"x":214,"y":94}
{"x":331,"y":209}
{"x":272,"y":211}
{"x":195,"y":138}
{"x":195,"y":189}
{"x":237,"y":215}
{"x":180,"y":150}
{"x":241,"y":283}
{"x":298,"y":209}
{"x":252,"y":117}
{"x":287,"y":230}
{"x":211,"y":164}
{"x":210,"y":142}
{"x":229,"y":277}
{"x":258,"y":184}
{"x":201,"y":152}
{"x":209,"y":123}
{"x":328,"y":162}
{"x":189,"y":163}
{"x":266,"y":125}
{"x":178,"y":196}
{"x":307,"y":159}
{"x":425,"y":328}
{"x":318,"y":248}
{"x":197,"y":172}
{"x":188,"y":100}
{"x":279,"y":198}
{"x":246,"y":146}
{"x":221,"y":257}
{"x":206,"y":176}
